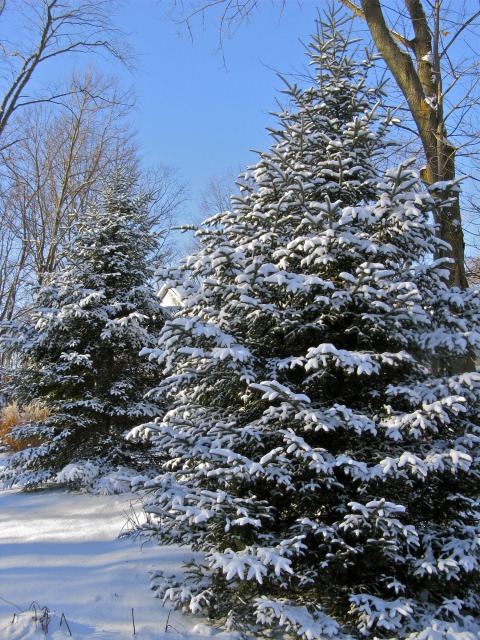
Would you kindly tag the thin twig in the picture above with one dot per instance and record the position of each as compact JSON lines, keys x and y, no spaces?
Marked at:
{"x":13,"y":604}
{"x":169,"y":625}
{"x":68,"y":626}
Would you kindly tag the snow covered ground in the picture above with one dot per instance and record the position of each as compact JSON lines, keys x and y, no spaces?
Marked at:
{"x":61,"y":550}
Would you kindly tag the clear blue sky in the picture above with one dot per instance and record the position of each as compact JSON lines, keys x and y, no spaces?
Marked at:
{"x":197,"y":115}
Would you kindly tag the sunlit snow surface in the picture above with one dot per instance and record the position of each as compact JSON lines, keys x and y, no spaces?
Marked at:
{"x":61,"y":550}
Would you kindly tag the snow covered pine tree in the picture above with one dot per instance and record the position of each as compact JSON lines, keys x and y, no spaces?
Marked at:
{"x":78,"y":350}
{"x":326,"y":476}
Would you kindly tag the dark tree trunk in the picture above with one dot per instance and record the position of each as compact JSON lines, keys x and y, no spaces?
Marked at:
{"x":421,"y":86}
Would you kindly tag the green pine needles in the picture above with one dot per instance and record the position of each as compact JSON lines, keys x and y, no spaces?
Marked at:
{"x":77,"y":351}
{"x":324,"y":470}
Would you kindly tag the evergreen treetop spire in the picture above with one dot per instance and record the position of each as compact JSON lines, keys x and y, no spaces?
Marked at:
{"x":334,"y":124}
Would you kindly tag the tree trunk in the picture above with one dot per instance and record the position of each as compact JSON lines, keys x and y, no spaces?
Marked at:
{"x":422,"y":88}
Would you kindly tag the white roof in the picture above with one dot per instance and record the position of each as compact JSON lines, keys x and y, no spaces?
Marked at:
{"x":170,"y":296}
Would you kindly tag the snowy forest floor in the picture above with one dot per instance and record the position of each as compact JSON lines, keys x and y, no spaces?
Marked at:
{"x":61,"y":550}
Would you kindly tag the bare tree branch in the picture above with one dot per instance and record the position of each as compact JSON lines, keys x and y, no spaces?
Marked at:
{"x":55,"y":28}
{"x":55,"y":168}
{"x":233,"y":13}
{"x":359,"y":13}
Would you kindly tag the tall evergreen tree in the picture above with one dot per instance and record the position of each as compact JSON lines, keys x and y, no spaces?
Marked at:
{"x":77,"y":353}
{"x":327,"y":473}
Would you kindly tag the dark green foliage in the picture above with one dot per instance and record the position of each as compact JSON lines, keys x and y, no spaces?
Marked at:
{"x":325,"y":471}
{"x":78,"y":350}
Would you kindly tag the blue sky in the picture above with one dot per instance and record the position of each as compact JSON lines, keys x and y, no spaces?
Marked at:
{"x":201,"y":111}
{"x":192,"y":112}
{"x":204,"y":118}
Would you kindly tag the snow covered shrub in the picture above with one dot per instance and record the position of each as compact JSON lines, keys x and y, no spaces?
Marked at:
{"x":325,"y":470}
{"x":78,"y":350}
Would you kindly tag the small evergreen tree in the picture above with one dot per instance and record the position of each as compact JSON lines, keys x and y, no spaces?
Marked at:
{"x":328,"y":476}
{"x":77,"y":353}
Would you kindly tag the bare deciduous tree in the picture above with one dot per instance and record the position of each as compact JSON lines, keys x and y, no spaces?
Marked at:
{"x":56,"y":168}
{"x":36,"y":32}
{"x":418,"y":53}
{"x":216,"y":196}
{"x":473,"y":270}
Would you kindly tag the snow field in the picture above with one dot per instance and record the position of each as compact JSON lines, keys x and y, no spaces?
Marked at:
{"x":61,"y":550}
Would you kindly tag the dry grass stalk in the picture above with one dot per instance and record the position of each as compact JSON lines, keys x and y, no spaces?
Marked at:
{"x":12,"y":416}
